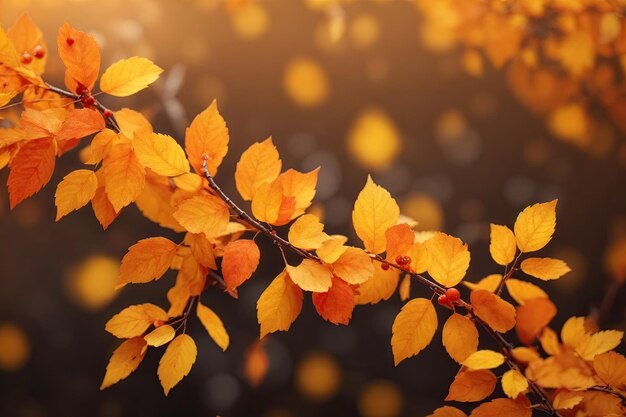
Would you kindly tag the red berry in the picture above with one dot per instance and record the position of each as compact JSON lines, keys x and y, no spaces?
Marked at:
{"x":70,"y":41}
{"x":453,"y":294}
{"x":384,"y":267}
{"x":81,"y":89}
{"x":107,"y":113}
{"x":443,"y":300}
{"x":88,"y":100}
{"x":39,"y":52}
{"x":5,"y":84}
{"x":27,"y":58}
{"x":407,"y":260}
{"x":158,"y":323}
{"x":401,"y":260}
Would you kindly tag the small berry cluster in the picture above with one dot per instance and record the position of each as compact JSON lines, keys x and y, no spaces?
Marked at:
{"x":37,"y":52}
{"x":448,"y":299}
{"x":403,"y":260}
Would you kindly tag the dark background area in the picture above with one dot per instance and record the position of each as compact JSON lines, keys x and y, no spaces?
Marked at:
{"x":503,"y":160}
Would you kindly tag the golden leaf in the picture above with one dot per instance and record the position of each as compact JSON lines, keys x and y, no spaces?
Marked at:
{"x":128,"y":76}
{"x":177,"y":361}
{"x":413,"y":329}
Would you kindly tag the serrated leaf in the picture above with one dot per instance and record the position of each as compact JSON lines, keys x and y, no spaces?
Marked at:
{"x":279,"y":305}
{"x":160,"y":336}
{"x":460,"y":337}
{"x":259,"y":164}
{"x":240,"y":260}
{"x":502,"y":244}
{"x":471,"y":386}
{"x":413,"y":329}
{"x":449,"y":259}
{"x":147,"y":260}
{"x":134,"y":320}
{"x":128,"y":76}
{"x":177,"y":361}
{"x":161,"y":153}
{"x":213,"y":325}
{"x":311,"y":276}
{"x":493,"y":310}
{"x":545,"y":268}
{"x":484,"y":359}
{"x":124,"y":360}
{"x":535,"y":225}
{"x":374,"y":212}
{"x":514,"y":383}
{"x":75,"y":190}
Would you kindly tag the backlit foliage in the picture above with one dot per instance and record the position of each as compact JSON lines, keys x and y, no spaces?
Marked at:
{"x":175,"y":187}
{"x":564,"y":60}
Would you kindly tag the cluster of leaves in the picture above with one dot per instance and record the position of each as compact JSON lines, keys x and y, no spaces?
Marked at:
{"x":175,"y":187}
{"x":564,"y":58}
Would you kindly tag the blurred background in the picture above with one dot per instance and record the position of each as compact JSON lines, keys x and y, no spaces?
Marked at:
{"x":460,"y":128}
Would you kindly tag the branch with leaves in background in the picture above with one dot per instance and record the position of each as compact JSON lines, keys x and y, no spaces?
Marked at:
{"x":176,"y":188}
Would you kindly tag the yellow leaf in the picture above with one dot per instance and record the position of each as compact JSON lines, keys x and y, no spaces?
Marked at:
{"x":128,"y":76}
{"x":374,"y":212}
{"x":545,"y":268}
{"x":449,"y":259}
{"x":484,"y":359}
{"x":611,"y":368}
{"x":354,"y":266}
{"x":311,"y":276}
{"x":514,"y":383}
{"x":489,"y":283}
{"x":160,"y":336}
{"x":565,"y":400}
{"x":460,"y":337}
{"x":574,"y":332}
{"x":502,"y":407}
{"x":240,"y":260}
{"x":177,"y":361}
{"x":471,"y":386}
{"x":598,"y":343}
{"x":267,"y":202}
{"x":404,"y":290}
{"x":208,"y":135}
{"x":525,"y":354}
{"x":134,"y":320}
{"x":100,"y":146}
{"x":502,"y":245}
{"x":203,"y":214}
{"x":380,"y":286}
{"x":213,"y":325}
{"x":535,"y":225}
{"x":155,"y":202}
{"x":132,"y":123}
{"x":420,"y":258}
{"x":299,"y":186}
{"x":413,"y":329}
{"x":125,"y":359}
{"x":76,"y":190}
{"x":259,"y":164}
{"x":124,"y":176}
{"x":147,"y":260}
{"x":161,"y":153}
{"x":522,"y":291}
{"x":550,"y":342}
{"x":279,"y":305}
{"x":189,"y":181}
{"x":332,"y":249}
{"x":447,"y":411}
{"x":307,"y":233}
{"x":493,"y":310}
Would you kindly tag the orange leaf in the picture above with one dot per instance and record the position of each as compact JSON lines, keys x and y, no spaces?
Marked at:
{"x":493,"y":310}
{"x":134,"y":320}
{"x":532,"y":317}
{"x":354,"y":266}
{"x":311,"y":276}
{"x":124,"y":176}
{"x":470,"y":386}
{"x":75,"y":191}
{"x":380,"y":286}
{"x":279,"y":305}
{"x":31,"y":169}
{"x":203,"y":214}
{"x":208,"y":135}
{"x":80,"y":123}
{"x":241,"y":259}
{"x":147,"y":260}
{"x":80,"y":55}
{"x":447,"y":411}
{"x":335,"y":305}
{"x":26,"y":36}
{"x":399,"y":239}
{"x":460,"y":337}
{"x":413,"y":329}
{"x":125,"y":359}
{"x":102,"y":207}
{"x":502,"y":407}
{"x":259,"y":164}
